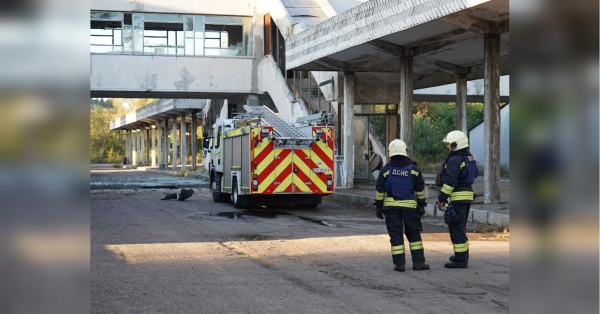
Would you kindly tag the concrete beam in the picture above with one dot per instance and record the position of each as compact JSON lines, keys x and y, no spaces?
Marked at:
{"x":332,"y":64}
{"x":491,"y":118}
{"x":441,"y":37}
{"x":389,"y":48}
{"x":444,"y":66}
{"x":475,"y":24}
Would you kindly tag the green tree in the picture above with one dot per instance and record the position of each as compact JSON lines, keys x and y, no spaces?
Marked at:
{"x":432,"y":121}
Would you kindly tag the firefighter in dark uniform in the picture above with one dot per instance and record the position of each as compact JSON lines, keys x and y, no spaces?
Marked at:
{"x":401,"y":198}
{"x":458,"y":173}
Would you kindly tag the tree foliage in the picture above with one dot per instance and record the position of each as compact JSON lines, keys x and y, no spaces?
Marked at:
{"x":107,"y":146}
{"x":432,"y":121}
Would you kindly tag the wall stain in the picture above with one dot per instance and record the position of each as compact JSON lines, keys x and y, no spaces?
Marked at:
{"x":150,"y":83}
{"x":186,"y":80}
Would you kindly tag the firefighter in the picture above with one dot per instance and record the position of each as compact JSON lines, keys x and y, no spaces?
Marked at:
{"x":456,"y":195}
{"x":401,"y":198}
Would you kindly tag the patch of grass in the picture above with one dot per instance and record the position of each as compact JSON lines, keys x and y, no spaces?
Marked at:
{"x":253,"y":236}
{"x":487,"y":228}
{"x":180,"y":173}
{"x":118,"y":165}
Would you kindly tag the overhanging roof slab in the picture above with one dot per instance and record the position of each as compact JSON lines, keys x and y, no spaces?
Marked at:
{"x":156,"y":111}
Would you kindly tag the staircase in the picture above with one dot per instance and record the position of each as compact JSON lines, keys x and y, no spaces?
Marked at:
{"x":308,"y":92}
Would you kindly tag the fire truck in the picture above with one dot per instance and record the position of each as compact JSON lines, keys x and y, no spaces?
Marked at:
{"x":257,"y":158}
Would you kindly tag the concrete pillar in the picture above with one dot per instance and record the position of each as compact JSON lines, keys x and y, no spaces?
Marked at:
{"x":252,"y":100}
{"x":194,"y":139}
{"x":159,"y":140}
{"x":491,"y":118}
{"x":183,"y":142}
{"x":148,"y":145}
{"x":174,"y":143}
{"x":406,"y":102}
{"x":130,"y":146}
{"x":143,"y":146}
{"x":153,"y":154}
{"x":461,"y":103}
{"x":127,"y":143}
{"x":349,"y":129}
{"x":140,"y":150}
{"x":166,"y":145}
{"x":134,"y":148}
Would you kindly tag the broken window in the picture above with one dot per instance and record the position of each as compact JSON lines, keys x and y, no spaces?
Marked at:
{"x":105,"y":32}
{"x":163,"y":38}
{"x":223,"y":40}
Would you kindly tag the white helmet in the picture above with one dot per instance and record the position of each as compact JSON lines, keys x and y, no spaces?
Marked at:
{"x":457,"y":140}
{"x":397,"y":147}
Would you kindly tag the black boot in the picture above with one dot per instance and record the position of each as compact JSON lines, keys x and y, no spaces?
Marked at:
{"x":418,"y":259}
{"x":420,"y":266}
{"x":399,"y":262}
{"x":169,"y":197}
{"x":400,"y":268}
{"x":458,"y":260}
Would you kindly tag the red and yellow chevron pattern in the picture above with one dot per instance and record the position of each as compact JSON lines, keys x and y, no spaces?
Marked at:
{"x":292,"y":169}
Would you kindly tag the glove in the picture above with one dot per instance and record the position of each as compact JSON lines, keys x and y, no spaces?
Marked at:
{"x":450,"y":216}
{"x":421,"y":209}
{"x":379,"y":213}
{"x":440,"y":206}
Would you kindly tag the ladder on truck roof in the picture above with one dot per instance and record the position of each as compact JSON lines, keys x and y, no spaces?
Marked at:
{"x":280,"y":127}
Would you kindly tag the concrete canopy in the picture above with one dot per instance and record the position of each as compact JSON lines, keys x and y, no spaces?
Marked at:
{"x":158,"y":111}
{"x":445,"y":38}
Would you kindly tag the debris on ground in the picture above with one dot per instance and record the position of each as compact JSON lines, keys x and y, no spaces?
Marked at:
{"x":181,"y":196}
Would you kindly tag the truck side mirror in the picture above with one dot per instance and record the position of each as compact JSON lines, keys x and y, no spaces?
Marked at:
{"x":205,"y":142}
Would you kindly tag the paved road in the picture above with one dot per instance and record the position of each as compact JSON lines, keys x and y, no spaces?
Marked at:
{"x":196,"y":256}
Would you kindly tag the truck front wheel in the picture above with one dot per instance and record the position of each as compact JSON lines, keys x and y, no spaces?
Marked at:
{"x":215,"y":188}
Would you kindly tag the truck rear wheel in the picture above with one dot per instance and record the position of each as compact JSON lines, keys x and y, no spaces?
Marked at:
{"x":236,"y":198}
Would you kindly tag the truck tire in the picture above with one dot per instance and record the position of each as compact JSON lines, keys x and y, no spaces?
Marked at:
{"x":236,"y":198}
{"x":215,"y":187}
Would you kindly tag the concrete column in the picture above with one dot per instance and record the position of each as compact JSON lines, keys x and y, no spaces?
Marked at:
{"x":134,"y":147}
{"x":148,"y":145}
{"x":406,"y":102}
{"x":174,"y":143}
{"x":461,"y":103}
{"x":166,"y":145}
{"x":183,"y":142}
{"x":491,"y":118}
{"x":194,"y":139}
{"x":127,"y":142}
{"x":153,"y":139}
{"x":159,"y":140}
{"x":252,"y":100}
{"x":142,"y":150}
{"x":349,"y":129}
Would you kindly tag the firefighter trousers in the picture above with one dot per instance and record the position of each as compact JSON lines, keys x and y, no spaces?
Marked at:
{"x":458,"y":232}
{"x":400,"y":221}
